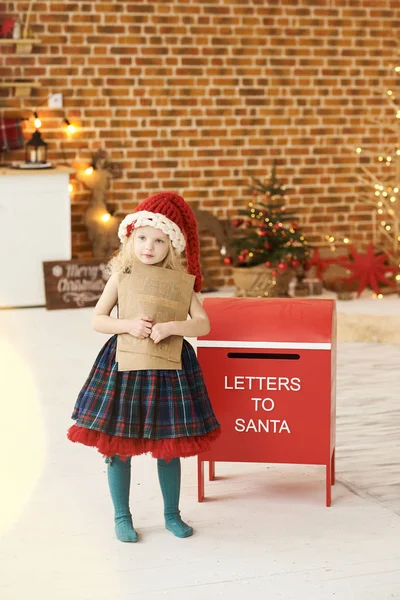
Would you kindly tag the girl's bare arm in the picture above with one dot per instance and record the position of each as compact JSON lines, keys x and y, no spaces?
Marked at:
{"x":102,"y":322}
{"x":198,"y":324}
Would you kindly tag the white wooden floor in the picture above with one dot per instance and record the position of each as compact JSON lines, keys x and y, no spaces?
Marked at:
{"x":263,"y":533}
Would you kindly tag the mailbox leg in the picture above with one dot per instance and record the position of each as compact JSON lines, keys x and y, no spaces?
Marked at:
{"x":328,"y":484}
{"x":211,"y":470}
{"x":333,"y":467}
{"x":200,"y":480}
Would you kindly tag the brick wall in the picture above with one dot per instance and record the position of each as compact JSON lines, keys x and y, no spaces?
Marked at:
{"x":198,"y":95}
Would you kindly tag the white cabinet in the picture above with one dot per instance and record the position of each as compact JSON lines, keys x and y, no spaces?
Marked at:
{"x":35,"y":225}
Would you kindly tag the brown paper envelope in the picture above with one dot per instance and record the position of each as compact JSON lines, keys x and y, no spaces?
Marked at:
{"x":163,"y":295}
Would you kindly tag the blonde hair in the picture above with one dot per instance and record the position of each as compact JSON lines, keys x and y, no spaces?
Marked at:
{"x":124,"y":259}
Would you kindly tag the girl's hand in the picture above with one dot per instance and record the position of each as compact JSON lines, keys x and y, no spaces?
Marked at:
{"x":160,"y":331}
{"x":140,"y":328}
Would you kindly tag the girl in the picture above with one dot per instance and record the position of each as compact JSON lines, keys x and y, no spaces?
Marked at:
{"x":165,"y":412}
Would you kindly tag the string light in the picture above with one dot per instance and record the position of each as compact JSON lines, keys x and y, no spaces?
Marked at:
{"x":37,"y":122}
{"x":89,"y":170}
{"x":106,"y":217}
{"x":70,"y":127}
{"x":70,"y":188}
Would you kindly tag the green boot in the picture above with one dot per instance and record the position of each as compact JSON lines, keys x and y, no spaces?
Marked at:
{"x":169,"y":475}
{"x":119,"y":481}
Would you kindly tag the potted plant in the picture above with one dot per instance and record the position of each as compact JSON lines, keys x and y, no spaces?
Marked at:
{"x":267,"y":250}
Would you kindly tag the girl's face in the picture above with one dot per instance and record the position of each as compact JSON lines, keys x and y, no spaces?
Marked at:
{"x":150,"y":245}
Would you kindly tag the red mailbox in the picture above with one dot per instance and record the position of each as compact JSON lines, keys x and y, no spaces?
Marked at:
{"x":269,"y":366}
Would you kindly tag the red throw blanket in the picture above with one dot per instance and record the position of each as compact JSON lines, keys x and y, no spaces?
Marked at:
{"x":11,"y":137}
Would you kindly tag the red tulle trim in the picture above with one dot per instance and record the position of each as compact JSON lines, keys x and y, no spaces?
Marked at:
{"x":109,"y":445}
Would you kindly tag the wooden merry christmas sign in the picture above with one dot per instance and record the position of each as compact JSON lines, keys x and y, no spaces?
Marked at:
{"x":74,"y":284}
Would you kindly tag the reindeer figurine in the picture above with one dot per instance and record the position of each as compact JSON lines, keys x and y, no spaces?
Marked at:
{"x":101,"y":225}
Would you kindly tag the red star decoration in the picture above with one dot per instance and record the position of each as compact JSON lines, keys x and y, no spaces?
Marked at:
{"x":320,"y":263}
{"x":368,"y":269}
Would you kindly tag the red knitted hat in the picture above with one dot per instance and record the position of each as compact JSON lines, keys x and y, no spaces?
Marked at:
{"x":170,"y":213}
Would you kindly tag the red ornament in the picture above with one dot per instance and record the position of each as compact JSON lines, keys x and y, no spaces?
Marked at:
{"x":241,"y":258}
{"x":262,"y":232}
{"x":274,"y":272}
{"x":368,"y":269}
{"x":268,"y":263}
{"x":295,"y":263}
{"x":247,"y":223}
{"x":267,"y":246}
{"x":282,"y":266}
{"x":237,"y":222}
{"x":295,"y":226}
{"x":227,"y":260}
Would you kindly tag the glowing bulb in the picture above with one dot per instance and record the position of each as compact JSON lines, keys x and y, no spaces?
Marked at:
{"x":396,"y":189}
{"x":70,"y":188}
{"x":380,"y":296}
{"x":392,"y":199}
{"x":380,"y":211}
{"x":380,"y":158}
{"x":397,"y":277}
{"x":37,"y":123}
{"x":398,"y":114}
{"x":377,"y":194}
{"x":380,"y":203}
{"x":388,"y":228}
{"x":346,"y":240}
{"x":89,"y":170}
{"x":397,"y":69}
{"x":389,"y":93}
{"x":358,"y":150}
{"x":71,"y":128}
{"x":388,"y":158}
{"x":106,"y":217}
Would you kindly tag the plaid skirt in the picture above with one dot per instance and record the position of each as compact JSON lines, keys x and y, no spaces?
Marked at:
{"x":125,"y":413}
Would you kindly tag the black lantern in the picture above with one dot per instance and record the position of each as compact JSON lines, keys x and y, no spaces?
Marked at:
{"x":36,"y":149}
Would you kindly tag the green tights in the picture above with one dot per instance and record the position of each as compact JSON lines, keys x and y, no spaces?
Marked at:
{"x":169,"y":475}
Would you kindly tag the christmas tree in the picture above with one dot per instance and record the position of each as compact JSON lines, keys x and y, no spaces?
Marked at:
{"x":267,"y":233}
